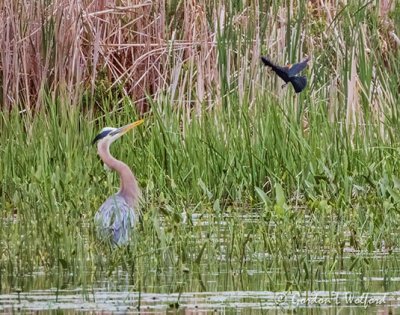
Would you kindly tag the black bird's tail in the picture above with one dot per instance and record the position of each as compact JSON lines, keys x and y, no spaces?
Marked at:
{"x":299,"y":83}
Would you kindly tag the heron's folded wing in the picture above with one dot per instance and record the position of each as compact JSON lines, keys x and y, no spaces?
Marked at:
{"x":115,"y":219}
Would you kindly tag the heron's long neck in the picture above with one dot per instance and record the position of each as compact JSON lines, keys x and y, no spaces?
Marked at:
{"x":129,"y":187}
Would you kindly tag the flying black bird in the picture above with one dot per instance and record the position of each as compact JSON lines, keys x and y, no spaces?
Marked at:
{"x":288,"y":73}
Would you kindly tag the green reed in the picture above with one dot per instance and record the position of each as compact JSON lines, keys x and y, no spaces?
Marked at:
{"x":315,"y":190}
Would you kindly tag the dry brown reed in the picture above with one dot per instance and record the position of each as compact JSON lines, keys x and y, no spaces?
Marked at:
{"x":67,"y":47}
{"x":138,"y":48}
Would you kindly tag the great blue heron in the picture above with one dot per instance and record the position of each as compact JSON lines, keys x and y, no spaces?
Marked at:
{"x":117,"y":215}
{"x":288,"y":73}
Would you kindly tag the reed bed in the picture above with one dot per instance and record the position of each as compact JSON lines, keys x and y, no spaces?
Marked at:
{"x":221,"y":138}
{"x":197,"y":52}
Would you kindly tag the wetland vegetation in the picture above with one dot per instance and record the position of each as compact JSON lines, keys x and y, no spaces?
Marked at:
{"x":246,"y":186}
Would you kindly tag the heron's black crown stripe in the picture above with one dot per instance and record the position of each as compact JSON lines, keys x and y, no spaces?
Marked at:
{"x":101,"y":135}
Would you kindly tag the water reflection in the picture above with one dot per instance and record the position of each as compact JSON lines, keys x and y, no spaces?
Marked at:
{"x":105,"y":299}
{"x":258,"y":284}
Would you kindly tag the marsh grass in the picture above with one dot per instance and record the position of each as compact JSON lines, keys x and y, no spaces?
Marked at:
{"x":315,"y":193}
{"x":221,"y":141}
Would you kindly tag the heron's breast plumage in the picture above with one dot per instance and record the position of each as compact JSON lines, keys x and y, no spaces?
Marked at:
{"x":115,"y":220}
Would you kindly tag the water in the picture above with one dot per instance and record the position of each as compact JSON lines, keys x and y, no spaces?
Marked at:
{"x":116,"y":294}
{"x":310,"y":284}
{"x":246,"y":302}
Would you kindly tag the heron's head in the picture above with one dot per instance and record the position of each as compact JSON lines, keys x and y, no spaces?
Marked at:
{"x":109,"y":134}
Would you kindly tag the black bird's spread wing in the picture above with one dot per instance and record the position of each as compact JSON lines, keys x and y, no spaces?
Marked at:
{"x":282,"y":72}
{"x":299,"y":83}
{"x":298,"y":67}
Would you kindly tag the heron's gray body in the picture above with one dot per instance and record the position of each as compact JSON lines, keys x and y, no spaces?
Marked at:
{"x":116,"y":217}
{"x":115,"y":220}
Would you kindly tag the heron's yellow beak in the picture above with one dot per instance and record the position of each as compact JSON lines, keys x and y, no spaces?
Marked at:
{"x":126,"y":128}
